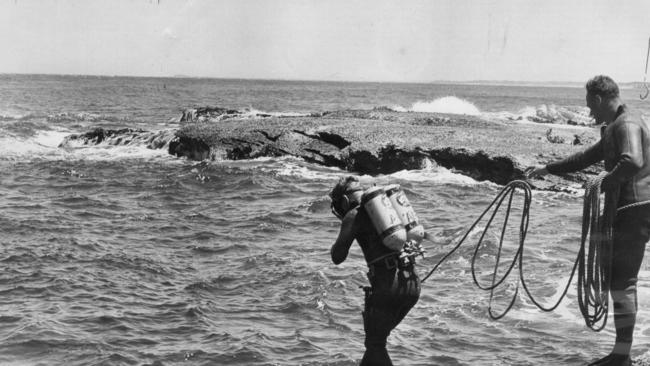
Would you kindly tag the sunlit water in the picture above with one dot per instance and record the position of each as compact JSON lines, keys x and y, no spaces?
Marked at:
{"x":129,"y":256}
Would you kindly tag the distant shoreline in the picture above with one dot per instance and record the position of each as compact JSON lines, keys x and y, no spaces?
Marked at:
{"x":548,"y":84}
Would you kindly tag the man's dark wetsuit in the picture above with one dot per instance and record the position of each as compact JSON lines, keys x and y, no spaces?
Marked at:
{"x":394,"y":291}
{"x":625,"y":148}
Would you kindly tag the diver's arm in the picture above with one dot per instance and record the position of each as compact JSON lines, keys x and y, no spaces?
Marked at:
{"x":577,"y":161}
{"x":573,"y":163}
{"x":341,"y":247}
{"x":629,"y":155}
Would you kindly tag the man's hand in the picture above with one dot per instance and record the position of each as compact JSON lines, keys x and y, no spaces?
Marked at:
{"x":535,"y":171}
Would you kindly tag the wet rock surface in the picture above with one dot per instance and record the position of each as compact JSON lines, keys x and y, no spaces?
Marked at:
{"x":382,"y":141}
{"x":121,"y":137}
{"x":378,"y":141}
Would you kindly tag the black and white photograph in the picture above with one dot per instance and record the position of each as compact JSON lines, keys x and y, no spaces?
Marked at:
{"x":324,"y":183}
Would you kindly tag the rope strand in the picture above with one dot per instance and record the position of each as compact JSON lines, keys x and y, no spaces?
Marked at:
{"x":593,"y":275}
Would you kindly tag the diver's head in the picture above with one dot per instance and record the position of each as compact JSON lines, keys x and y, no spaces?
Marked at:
{"x":345,"y":195}
{"x":602,"y":98}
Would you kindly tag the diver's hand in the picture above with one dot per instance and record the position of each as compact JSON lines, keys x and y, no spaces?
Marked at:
{"x":535,"y":171}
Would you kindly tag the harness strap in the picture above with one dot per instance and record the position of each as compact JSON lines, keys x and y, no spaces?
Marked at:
{"x":400,"y":259}
{"x":382,"y":257}
{"x":635,"y":204}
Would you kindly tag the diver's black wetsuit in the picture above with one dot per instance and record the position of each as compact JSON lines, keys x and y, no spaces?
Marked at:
{"x":394,"y":290}
{"x":631,"y":233}
{"x":625,"y":149}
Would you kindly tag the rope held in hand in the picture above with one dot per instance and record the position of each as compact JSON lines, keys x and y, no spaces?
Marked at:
{"x":593,"y":275}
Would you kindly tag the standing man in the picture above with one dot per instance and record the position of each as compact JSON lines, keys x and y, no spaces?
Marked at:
{"x":394,"y":286}
{"x":625,"y":147}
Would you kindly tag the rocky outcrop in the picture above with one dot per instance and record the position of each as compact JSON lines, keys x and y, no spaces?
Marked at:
{"x":122,"y":137}
{"x":211,"y":113}
{"x":378,"y":141}
{"x":382,"y":141}
{"x":201,"y":114}
{"x":552,"y":114}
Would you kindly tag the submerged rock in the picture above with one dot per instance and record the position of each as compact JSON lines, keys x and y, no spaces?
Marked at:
{"x":561,"y":115}
{"x":121,"y":137}
{"x":202,"y":114}
{"x":194,"y":114}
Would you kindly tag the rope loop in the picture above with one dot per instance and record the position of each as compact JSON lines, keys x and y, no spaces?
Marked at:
{"x":593,"y":261}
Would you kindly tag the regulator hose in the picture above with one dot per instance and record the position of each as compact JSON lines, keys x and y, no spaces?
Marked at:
{"x":594,"y":274}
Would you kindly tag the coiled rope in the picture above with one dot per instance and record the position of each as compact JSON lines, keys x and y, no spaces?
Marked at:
{"x":594,"y":274}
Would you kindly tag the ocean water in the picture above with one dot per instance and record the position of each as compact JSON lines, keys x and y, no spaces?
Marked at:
{"x":124,"y":255}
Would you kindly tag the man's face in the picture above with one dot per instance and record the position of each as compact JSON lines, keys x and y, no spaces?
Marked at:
{"x":594,"y":103}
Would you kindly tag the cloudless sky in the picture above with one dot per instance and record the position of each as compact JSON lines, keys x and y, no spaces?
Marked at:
{"x":362,"y":40}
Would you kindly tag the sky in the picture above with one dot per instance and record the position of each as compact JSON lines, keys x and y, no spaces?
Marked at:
{"x":339,"y":40}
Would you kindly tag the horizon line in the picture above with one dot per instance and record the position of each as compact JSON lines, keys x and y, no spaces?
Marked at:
{"x":438,"y":81}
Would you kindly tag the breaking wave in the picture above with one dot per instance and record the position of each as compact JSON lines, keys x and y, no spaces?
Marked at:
{"x":544,"y":113}
{"x":61,"y":144}
{"x":450,"y":105}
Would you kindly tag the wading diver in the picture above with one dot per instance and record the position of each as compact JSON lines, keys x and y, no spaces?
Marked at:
{"x":394,"y":286}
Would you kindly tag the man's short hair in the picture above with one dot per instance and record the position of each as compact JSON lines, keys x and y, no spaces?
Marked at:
{"x":602,"y":85}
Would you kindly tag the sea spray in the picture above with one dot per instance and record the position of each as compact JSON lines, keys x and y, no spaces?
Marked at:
{"x":451,"y":105}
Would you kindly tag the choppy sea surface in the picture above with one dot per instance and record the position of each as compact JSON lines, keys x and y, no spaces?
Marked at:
{"x":124,"y":255}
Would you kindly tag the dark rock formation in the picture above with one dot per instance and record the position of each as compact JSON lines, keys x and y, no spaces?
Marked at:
{"x":561,"y":115}
{"x":122,"y":137}
{"x":100,"y":135}
{"x":378,"y":141}
{"x":382,"y":141}
{"x":201,"y":114}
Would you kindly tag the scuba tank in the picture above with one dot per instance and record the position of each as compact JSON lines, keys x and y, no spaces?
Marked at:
{"x":401,"y":204}
{"x":384,"y":218}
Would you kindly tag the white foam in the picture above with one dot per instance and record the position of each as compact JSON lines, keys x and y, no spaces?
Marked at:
{"x":449,"y":104}
{"x":14,"y":115}
{"x":557,"y":116}
{"x":108,"y":153}
{"x":290,"y":166}
{"x":293,"y":170}
{"x":433,"y":173}
{"x":45,"y":145}
{"x":295,"y":167}
{"x":51,"y":139}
